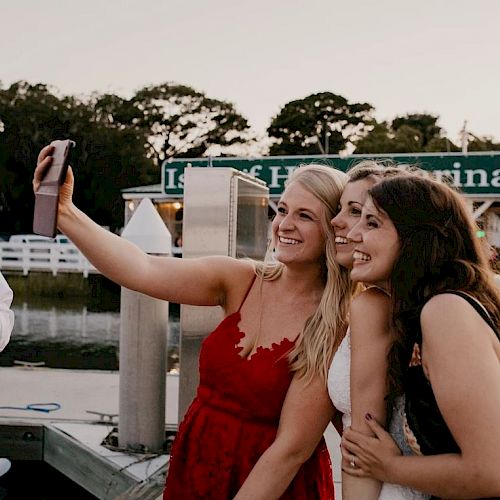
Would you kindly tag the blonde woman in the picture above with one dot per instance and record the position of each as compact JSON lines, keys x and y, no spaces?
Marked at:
{"x":255,"y":429}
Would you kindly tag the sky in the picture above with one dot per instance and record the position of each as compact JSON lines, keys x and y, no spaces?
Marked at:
{"x":434,"y":56}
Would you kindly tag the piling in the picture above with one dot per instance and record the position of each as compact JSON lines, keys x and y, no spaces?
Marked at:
{"x":143,"y":344}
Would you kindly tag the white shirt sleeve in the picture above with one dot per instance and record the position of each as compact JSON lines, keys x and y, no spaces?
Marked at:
{"x":6,"y":315}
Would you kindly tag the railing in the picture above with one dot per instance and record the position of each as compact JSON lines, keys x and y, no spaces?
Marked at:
{"x":44,"y":256}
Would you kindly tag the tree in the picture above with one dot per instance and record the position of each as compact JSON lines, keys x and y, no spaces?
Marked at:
{"x":415,"y":133}
{"x":486,"y":143}
{"x":424,"y":123}
{"x":105,"y":158}
{"x":318,"y":124}
{"x":119,"y":142}
{"x":378,"y":140}
{"x":178,"y":121}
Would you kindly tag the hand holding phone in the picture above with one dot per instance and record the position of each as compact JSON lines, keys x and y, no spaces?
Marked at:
{"x":47,"y":196}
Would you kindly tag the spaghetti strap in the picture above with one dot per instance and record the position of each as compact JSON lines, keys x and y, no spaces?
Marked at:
{"x":379,"y":288}
{"x":247,"y":292}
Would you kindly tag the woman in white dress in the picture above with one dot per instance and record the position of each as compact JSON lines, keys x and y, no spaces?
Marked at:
{"x":357,"y":377}
{"x":419,"y":236}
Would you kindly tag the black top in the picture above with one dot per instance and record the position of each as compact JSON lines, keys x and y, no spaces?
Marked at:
{"x":422,"y":412}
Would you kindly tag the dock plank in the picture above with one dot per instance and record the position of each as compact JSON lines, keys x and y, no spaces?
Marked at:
{"x":84,"y":466}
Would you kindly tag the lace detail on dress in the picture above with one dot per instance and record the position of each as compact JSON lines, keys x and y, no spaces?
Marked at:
{"x":339,"y":384}
{"x":410,"y":437}
{"x":234,"y":419}
{"x":395,"y":491}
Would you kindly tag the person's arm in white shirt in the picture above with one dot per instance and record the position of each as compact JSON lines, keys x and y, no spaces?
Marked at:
{"x":6,"y":315}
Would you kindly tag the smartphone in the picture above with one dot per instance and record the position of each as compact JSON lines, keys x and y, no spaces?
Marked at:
{"x":47,"y":196}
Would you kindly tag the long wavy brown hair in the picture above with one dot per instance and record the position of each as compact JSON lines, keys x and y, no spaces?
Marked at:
{"x":439,"y":251}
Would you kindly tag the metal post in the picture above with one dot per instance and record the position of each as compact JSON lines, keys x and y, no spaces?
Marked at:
{"x":464,"y":136}
{"x":225,"y":213}
{"x":143,"y":344}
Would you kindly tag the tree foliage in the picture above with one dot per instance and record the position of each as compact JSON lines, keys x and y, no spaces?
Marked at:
{"x":180,"y":121}
{"x":318,"y":124}
{"x":485,"y":143}
{"x":425,"y":124}
{"x":416,"y":133}
{"x":119,"y":142}
{"x":413,"y":133}
{"x":105,"y":159}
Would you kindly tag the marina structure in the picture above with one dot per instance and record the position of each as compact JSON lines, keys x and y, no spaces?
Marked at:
{"x":27,"y":253}
{"x":476,"y":174}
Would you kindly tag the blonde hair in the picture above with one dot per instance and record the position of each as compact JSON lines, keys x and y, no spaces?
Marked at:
{"x":376,"y":170}
{"x":380,"y":169}
{"x":325,"y":328}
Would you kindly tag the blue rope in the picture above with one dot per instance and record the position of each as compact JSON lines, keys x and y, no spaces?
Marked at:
{"x":43,"y":407}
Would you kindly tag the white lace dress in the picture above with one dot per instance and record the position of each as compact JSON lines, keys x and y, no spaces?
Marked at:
{"x":339,"y":388}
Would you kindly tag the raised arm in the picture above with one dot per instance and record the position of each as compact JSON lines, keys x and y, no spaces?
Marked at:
{"x":205,"y":281}
{"x":306,"y":412}
{"x":462,"y":358}
{"x":370,"y":341}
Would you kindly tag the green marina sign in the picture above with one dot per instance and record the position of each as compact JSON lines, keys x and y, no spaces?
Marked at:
{"x":476,"y":174}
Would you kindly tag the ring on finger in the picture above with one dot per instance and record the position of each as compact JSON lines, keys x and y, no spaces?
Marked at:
{"x":353,"y":462}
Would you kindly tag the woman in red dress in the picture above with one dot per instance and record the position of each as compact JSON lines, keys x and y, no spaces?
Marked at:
{"x":255,"y":428}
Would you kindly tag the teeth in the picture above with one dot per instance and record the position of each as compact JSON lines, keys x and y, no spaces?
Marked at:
{"x":341,"y":239}
{"x":288,"y":241}
{"x":361,"y":256}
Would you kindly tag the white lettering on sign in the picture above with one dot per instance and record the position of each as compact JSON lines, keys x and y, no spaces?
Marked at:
{"x":255,"y":170}
{"x":495,"y":180}
{"x":170,"y":178}
{"x":477,"y":178}
{"x":276,"y":176}
{"x":460,"y":175}
{"x":483,"y":178}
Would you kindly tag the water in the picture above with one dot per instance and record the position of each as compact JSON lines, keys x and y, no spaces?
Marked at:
{"x":38,"y":480}
{"x":74,"y":332}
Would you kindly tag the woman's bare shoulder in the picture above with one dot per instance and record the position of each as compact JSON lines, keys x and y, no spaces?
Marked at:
{"x":452,"y":316}
{"x":371,"y":299}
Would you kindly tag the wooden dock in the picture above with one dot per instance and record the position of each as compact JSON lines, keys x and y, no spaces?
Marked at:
{"x":70,"y":438}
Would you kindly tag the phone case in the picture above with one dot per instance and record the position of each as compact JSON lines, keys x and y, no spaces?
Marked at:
{"x":47,"y":196}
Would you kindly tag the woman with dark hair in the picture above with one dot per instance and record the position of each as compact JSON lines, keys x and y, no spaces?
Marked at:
{"x":445,"y":360}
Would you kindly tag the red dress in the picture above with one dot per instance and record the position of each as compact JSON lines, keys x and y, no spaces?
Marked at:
{"x":234,"y":419}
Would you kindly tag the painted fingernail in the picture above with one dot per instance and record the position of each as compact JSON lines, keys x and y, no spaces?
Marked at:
{"x":368,"y":416}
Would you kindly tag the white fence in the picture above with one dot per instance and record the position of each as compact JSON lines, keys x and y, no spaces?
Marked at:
{"x":43,"y":256}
